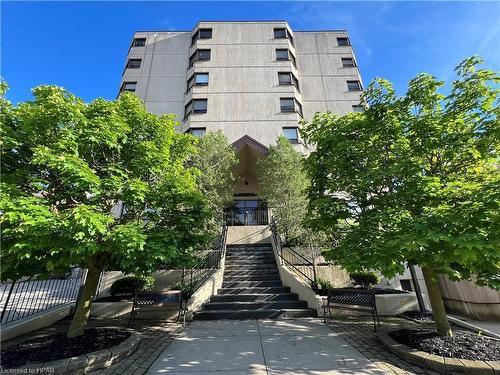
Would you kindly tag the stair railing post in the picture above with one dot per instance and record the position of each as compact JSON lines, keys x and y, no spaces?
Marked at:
{"x":281,"y":249}
{"x":315,"y":286}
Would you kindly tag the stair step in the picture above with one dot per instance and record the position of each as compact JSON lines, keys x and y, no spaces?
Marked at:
{"x":233,"y":278}
{"x":247,"y":290}
{"x":256,"y":297}
{"x":254,"y":314}
{"x":250,"y":284}
{"x":260,"y":258}
{"x":249,"y":267}
{"x":258,"y":253}
{"x":249,"y":263}
{"x":251,"y":253}
{"x":255,"y":305}
{"x":249,"y":246}
{"x":242,"y":272}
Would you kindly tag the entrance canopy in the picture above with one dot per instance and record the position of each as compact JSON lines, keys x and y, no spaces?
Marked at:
{"x":247,"y":208}
{"x":248,"y":152}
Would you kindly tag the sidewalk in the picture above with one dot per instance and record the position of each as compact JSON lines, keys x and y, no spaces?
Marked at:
{"x":298,"y":346}
{"x":493,"y":327}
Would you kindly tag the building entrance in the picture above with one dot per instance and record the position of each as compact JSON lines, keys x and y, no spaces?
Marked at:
{"x":247,"y":212}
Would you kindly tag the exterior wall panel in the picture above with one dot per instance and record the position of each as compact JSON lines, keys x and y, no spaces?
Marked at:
{"x":243,"y":91}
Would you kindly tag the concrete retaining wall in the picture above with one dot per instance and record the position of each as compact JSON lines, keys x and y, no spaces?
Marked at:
{"x":35,"y":321}
{"x":252,"y":234}
{"x":394,"y":304}
{"x":297,"y":285}
{"x":206,"y":291}
{"x":163,"y":280}
{"x":467,"y":298}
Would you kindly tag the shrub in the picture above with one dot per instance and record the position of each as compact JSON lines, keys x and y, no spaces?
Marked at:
{"x":129,"y":284}
{"x":365,"y":279}
{"x":324,"y":284}
{"x":187,"y":289}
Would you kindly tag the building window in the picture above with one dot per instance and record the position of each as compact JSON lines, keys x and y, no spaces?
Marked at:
{"x":343,"y":41}
{"x":201,"y":34}
{"x":290,"y":105}
{"x":195,"y":106}
{"x":128,"y":86}
{"x":197,"y":79}
{"x":134,"y":63}
{"x":353,"y":86}
{"x":406,"y":285}
{"x":348,"y":62}
{"x":199,"y":55}
{"x":283,"y":33}
{"x":287,"y":78}
{"x":291,"y":134}
{"x":358,"y":108}
{"x":285,"y":55}
{"x":139,"y":42}
{"x":198,"y":132}
{"x":280,"y":33}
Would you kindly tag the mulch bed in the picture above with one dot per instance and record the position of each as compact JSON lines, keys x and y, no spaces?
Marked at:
{"x":425,"y":316}
{"x":58,"y":346}
{"x":324,"y":292}
{"x":463,"y":345}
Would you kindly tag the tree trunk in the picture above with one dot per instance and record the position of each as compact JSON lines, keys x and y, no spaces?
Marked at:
{"x":438,"y":310}
{"x":84,"y":303}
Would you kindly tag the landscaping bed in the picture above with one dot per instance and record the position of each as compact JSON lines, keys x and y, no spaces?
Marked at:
{"x":465,"y":353}
{"x":377,"y":291}
{"x":58,"y":346}
{"x":418,"y":316}
{"x":463,"y":345}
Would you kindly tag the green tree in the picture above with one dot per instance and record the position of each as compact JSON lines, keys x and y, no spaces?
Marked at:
{"x":98,"y":185}
{"x":283,"y":182}
{"x":216,"y":159}
{"x":414,"y":179}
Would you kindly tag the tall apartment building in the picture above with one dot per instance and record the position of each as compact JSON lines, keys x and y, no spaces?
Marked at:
{"x":253,"y":81}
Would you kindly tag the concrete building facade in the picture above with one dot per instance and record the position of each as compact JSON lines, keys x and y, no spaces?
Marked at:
{"x":254,"y":81}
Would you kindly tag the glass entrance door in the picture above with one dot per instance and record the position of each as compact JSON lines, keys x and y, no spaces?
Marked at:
{"x":247,"y":212}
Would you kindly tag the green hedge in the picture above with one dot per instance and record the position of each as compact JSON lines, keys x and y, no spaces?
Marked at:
{"x":129,"y":284}
{"x":365,"y":279}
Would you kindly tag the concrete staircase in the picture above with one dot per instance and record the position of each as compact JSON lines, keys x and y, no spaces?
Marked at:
{"x":252,"y":288}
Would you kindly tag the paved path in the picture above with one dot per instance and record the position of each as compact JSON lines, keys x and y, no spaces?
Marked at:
{"x":225,"y":347}
{"x":493,"y":327}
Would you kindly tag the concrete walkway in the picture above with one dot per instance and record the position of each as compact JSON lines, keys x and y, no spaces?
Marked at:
{"x":225,"y":347}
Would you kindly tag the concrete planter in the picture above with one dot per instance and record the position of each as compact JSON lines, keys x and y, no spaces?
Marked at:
{"x":436,"y":363}
{"x":395,"y":304}
{"x":86,"y":363}
{"x":111,"y":309}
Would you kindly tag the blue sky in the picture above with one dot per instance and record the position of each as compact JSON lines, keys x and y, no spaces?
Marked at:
{"x":82,"y":46}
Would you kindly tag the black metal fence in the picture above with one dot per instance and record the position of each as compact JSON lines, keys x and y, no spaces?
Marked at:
{"x":302,"y":266}
{"x":247,"y":217}
{"x":22,"y":298}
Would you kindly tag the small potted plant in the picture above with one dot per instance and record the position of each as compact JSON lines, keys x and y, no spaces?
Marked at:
{"x":323,"y":287}
{"x":186,"y":289}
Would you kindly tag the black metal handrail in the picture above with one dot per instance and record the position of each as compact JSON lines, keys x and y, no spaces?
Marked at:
{"x":22,"y":298}
{"x":195,"y":276}
{"x":301,"y":265}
